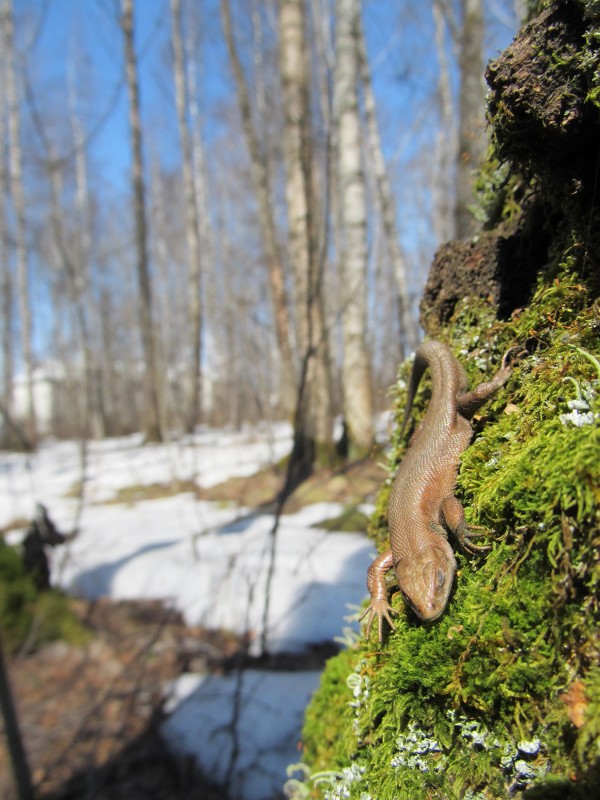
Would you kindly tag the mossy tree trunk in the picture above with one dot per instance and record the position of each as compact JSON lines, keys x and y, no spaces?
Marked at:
{"x":500,"y":697}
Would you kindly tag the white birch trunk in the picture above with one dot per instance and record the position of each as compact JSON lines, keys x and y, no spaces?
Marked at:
{"x":18,"y":198}
{"x":446,"y":140}
{"x":68,"y":259}
{"x":192,"y":226}
{"x":299,"y":196}
{"x":6,"y":277}
{"x":199,"y":168}
{"x":356,"y":375}
{"x":173,"y":410}
{"x":93,"y":422}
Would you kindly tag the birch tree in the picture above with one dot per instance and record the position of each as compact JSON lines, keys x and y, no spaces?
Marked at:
{"x":471,"y":136}
{"x":152,"y":422}
{"x":72,"y":248}
{"x":6,"y":278}
{"x":444,"y":156}
{"x":92,"y":421}
{"x":322,"y":27}
{"x":69,"y":259}
{"x":262,"y":188}
{"x":192,"y":221}
{"x":356,"y":376}
{"x":199,"y":166}
{"x":314,"y":423}
{"x":18,"y":201}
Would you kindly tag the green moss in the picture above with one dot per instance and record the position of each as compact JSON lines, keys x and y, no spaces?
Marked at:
{"x":17,"y":594}
{"x":54,"y":619}
{"x":351,"y":520}
{"x":30,"y":618}
{"x":137,"y":493}
{"x":471,"y":706}
{"x":329,"y":715}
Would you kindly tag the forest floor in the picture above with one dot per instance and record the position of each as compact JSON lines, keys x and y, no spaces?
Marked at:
{"x":90,"y":715}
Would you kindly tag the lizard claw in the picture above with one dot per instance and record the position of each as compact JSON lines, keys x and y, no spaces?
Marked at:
{"x":512,"y":354}
{"x":379,"y":609}
{"x":465,"y":535}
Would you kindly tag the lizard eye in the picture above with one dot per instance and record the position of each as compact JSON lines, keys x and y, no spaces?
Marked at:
{"x":441,"y":578}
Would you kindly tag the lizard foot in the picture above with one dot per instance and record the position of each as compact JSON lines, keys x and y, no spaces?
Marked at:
{"x":465,"y":534}
{"x":512,"y":354}
{"x":379,"y":608}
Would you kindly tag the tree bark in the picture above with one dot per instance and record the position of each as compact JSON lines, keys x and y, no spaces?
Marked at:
{"x":408,"y":325}
{"x":192,"y":221}
{"x":356,"y":375}
{"x":73,"y":271}
{"x":18,"y":198}
{"x":444,"y":156}
{"x":471,"y":136}
{"x":262,"y":189}
{"x":173,"y":408}
{"x":198,"y":160}
{"x":93,"y":423}
{"x":16,"y":749}
{"x":314,"y":419}
{"x":152,"y":422}
{"x":6,"y":277}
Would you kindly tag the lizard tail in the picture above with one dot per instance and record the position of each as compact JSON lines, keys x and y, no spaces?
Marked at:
{"x":419,"y":366}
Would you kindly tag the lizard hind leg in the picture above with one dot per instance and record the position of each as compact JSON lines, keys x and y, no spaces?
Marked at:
{"x":453,"y":518}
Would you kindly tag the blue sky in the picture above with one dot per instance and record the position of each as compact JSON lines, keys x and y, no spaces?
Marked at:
{"x":74,"y":54}
{"x":85,"y":33}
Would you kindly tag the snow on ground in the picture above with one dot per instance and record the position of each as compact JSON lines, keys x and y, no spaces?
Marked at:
{"x":211,"y":563}
{"x":209,"y":457}
{"x":217,"y":576}
{"x":265,"y":708}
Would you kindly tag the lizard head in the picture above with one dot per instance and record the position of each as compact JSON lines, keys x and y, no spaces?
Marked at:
{"x":426,"y":579}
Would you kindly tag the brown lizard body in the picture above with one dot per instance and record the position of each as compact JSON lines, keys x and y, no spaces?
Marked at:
{"x":422,"y":508}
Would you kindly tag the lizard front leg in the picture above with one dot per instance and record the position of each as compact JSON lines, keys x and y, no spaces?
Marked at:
{"x":452,"y":517}
{"x":379,"y":606}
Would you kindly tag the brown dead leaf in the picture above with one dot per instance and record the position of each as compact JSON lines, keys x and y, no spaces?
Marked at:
{"x":576,"y":702}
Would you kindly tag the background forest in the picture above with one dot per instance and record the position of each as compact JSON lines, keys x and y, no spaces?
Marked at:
{"x":208,"y":206}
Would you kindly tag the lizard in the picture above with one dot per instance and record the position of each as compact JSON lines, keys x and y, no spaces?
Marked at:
{"x":422,"y":508}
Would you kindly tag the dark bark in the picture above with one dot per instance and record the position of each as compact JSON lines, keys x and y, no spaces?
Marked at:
{"x":500,"y":267}
{"x":541,"y":101}
{"x":16,"y":749}
{"x":152,"y":424}
{"x":262,"y":189}
{"x":471,"y":136}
